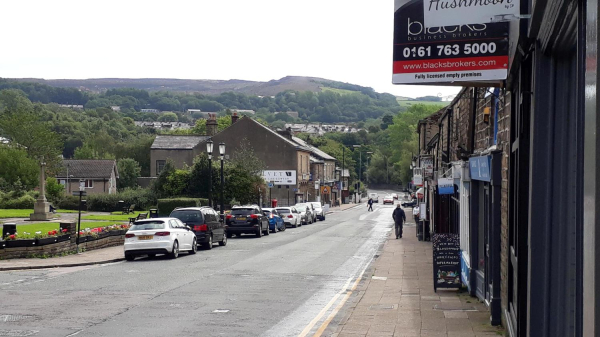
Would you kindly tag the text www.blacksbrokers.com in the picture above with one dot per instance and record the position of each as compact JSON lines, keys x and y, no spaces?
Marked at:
{"x":449,"y":64}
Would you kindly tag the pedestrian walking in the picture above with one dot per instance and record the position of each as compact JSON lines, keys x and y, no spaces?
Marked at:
{"x":370,"y":205}
{"x":416,"y":212}
{"x":399,"y":217}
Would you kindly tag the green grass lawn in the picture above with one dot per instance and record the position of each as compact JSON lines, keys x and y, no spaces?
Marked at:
{"x":115,"y":216}
{"x":24,"y":213}
{"x":45,"y":227}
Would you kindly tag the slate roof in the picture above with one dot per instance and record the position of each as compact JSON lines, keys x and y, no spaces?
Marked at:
{"x":88,"y":168}
{"x":313,"y":149}
{"x":167,"y":142}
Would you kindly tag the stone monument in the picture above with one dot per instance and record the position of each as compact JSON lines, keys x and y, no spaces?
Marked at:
{"x":41,"y":207}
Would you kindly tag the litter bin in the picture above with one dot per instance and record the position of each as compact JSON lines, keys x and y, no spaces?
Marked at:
{"x":153,"y":213}
{"x":8,"y":229}
{"x":273,"y":203}
{"x":120,"y":206}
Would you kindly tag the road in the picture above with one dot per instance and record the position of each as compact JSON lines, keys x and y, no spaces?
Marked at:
{"x":284,"y":284}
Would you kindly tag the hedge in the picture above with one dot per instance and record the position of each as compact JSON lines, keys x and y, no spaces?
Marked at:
{"x":24,"y":202}
{"x":69,"y":202}
{"x":142,"y":198}
{"x":166,"y":206}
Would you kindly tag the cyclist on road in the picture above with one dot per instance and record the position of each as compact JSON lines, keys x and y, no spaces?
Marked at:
{"x":399,"y":218}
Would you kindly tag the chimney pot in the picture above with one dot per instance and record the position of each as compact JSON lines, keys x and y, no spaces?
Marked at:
{"x":234,"y":117}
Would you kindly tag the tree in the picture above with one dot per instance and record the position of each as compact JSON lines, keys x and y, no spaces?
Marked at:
{"x":23,"y":123}
{"x":200,"y":127}
{"x":54,"y":190}
{"x":129,"y":171}
{"x":168,"y":117}
{"x":16,"y":168}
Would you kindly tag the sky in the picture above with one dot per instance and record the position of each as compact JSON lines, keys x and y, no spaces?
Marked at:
{"x":343,"y":40}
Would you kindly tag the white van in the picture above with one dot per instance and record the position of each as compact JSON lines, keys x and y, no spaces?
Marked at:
{"x":374,"y":196}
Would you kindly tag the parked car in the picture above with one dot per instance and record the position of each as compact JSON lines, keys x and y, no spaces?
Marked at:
{"x":275,"y":220}
{"x":395,"y":196}
{"x":291,"y":216}
{"x":159,"y":236}
{"x":409,"y":203}
{"x":319,"y":210}
{"x":247,"y":220}
{"x":388,"y":199}
{"x":305,"y":212}
{"x":374,"y":196}
{"x":205,"y":222}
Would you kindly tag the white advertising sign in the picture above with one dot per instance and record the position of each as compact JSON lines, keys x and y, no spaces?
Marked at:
{"x":280,"y":177}
{"x":427,"y":164}
{"x":418,"y":180}
{"x":440,"y":13}
{"x":423,"y":211}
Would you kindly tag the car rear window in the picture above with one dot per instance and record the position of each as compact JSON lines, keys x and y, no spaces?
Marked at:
{"x":283,"y":210}
{"x":242,"y":211}
{"x":187,"y":216}
{"x":141,"y":226}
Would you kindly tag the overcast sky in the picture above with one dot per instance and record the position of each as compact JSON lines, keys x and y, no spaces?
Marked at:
{"x":343,"y":40}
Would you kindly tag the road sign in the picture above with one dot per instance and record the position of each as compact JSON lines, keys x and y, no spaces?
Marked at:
{"x":271,"y":185}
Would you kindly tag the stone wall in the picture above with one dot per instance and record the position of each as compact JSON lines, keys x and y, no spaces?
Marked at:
{"x":58,"y":248}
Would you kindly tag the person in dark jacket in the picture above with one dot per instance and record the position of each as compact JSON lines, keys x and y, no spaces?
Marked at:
{"x":399,"y":218}
{"x":370,"y":205}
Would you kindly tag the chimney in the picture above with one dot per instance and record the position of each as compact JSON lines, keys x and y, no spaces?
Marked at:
{"x":234,"y":118}
{"x":211,"y":125}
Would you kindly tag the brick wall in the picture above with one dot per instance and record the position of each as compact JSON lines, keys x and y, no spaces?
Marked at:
{"x":504,"y":113}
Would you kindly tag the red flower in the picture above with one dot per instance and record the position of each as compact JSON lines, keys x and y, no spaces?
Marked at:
{"x":12,"y":236}
{"x":50,"y":233}
{"x":54,"y":232}
{"x":64,"y":230}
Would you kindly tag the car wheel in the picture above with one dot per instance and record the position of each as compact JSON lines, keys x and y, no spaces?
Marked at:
{"x":223,"y":242}
{"x":129,"y":257}
{"x":259,"y":233}
{"x":175,"y":252}
{"x":267,"y":231}
{"x":275,"y":229}
{"x":283,"y":228}
{"x":194,"y":247}
{"x":209,"y":244}
{"x":296,"y":224}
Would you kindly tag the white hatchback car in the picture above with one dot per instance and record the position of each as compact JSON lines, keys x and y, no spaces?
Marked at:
{"x":290,"y":215}
{"x":159,"y":236}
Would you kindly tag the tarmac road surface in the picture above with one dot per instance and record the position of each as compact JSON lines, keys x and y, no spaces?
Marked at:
{"x":285,"y":284}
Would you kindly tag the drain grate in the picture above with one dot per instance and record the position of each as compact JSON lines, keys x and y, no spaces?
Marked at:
{"x":17,"y":333}
{"x":382,"y":307}
{"x":454,"y":307}
{"x":14,"y":318}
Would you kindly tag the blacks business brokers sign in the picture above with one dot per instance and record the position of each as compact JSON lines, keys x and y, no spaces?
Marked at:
{"x":280,"y":177}
{"x":446,"y":261}
{"x":446,"y":55}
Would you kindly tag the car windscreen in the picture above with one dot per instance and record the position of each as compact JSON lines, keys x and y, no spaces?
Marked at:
{"x":283,"y":210}
{"x":316,"y":205}
{"x":242,"y":211}
{"x":187,"y":216}
{"x":150,"y":225}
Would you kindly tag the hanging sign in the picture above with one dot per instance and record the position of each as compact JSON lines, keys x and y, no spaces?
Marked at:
{"x":457,"y":54}
{"x":479,"y":167}
{"x":427,"y":164}
{"x":446,"y":186}
{"x":418,"y":180}
{"x":446,"y":261}
{"x":438,"y":13}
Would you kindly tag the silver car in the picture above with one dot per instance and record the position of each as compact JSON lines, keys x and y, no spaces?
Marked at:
{"x":290,"y":215}
{"x":305,"y":211}
{"x":319,"y":211}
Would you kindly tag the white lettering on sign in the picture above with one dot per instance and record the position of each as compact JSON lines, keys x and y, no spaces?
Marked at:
{"x":439,"y":13}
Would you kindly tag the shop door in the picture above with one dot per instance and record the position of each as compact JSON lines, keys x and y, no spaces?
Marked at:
{"x":487,"y":218}
{"x":518,"y":206}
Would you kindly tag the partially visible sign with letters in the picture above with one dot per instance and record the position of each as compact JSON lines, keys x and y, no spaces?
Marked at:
{"x":280,"y":177}
{"x":446,"y":186}
{"x":458,"y":54}
{"x":479,"y":167}
{"x":438,"y":13}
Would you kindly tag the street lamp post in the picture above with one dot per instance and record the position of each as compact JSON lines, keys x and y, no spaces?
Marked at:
{"x":222,"y":157}
{"x":209,"y":151}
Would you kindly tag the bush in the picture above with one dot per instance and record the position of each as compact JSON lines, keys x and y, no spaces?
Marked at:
{"x":69,"y":202}
{"x":166,"y":206}
{"x":142,"y":198}
{"x":54,"y":190}
{"x":23,"y":202}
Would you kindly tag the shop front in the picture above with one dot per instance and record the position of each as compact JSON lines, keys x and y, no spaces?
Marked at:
{"x":485,"y":212}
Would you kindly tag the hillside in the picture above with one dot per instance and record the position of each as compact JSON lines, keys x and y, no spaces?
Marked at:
{"x":209,"y":87}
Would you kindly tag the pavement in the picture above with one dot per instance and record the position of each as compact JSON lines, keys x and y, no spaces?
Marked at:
{"x":397,"y":298}
{"x":98,"y":256}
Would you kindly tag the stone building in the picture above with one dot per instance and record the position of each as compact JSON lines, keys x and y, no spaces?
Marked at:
{"x":98,"y":176}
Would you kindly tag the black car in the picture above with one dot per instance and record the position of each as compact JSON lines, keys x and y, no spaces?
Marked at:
{"x":247,"y":220}
{"x":205,"y":223}
{"x":407,"y":203}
